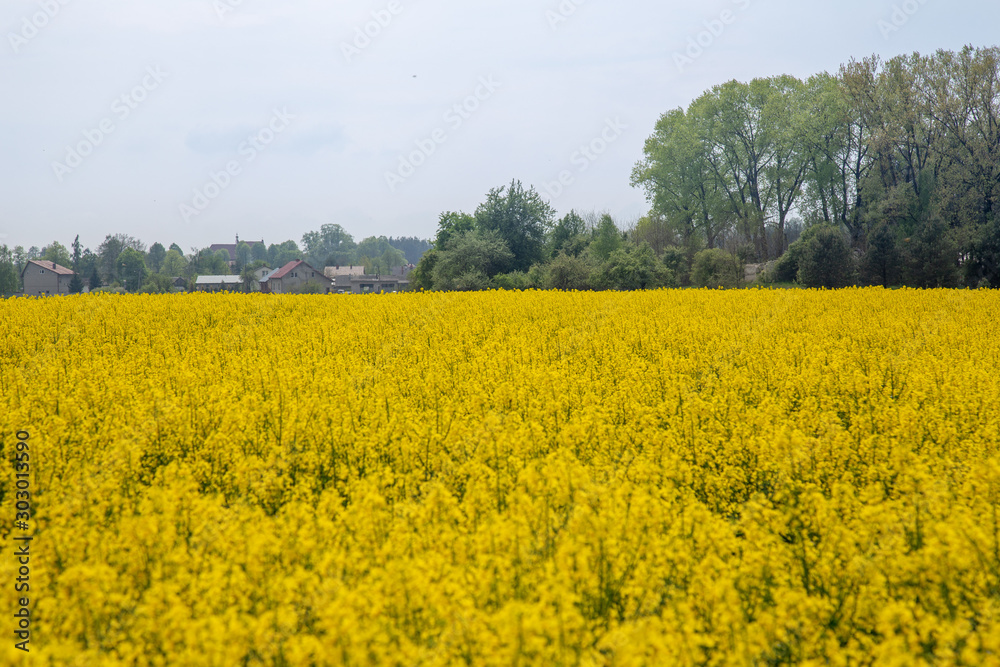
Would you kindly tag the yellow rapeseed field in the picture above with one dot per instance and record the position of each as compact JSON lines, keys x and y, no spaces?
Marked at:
{"x":652,"y":478}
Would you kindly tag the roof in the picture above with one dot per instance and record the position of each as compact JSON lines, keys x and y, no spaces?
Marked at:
{"x":288,"y":268}
{"x":333,"y":271}
{"x":218,"y":280}
{"x":51,"y":266}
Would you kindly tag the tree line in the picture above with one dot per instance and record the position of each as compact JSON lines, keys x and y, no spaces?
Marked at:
{"x":901,"y":158}
{"x":885,"y":173}
{"x":124,"y":263}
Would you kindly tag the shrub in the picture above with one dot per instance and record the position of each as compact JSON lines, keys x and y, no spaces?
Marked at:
{"x":715,"y":268}
{"x":826,"y":259}
{"x":567,"y":272}
{"x":678,"y":263}
{"x":515,"y":280}
{"x":931,"y":256}
{"x":881,"y":263}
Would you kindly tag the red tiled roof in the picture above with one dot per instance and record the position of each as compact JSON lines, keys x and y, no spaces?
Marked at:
{"x":287,"y":268}
{"x":51,"y":266}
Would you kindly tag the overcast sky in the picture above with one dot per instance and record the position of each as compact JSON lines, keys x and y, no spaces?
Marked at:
{"x":192,"y":121}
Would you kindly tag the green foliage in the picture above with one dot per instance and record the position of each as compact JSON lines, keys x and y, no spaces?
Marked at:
{"x":678,"y":263}
{"x":76,"y":284}
{"x":568,"y":272}
{"x":521,"y":218}
{"x":57,"y":252}
{"x":568,"y":236}
{"x":656,"y":231}
{"x":422,"y":277}
{"x":413,"y":248}
{"x":469,"y":255}
{"x":10,"y":279}
{"x":714,"y":267}
{"x":132,"y":269}
{"x":109,"y":251}
{"x":154,"y":258}
{"x":157,"y":283}
{"x":983,"y":267}
{"x":826,"y":259}
{"x":881,"y":263}
{"x":607,"y":239}
{"x":258,"y":252}
{"x":470,"y":281}
{"x":931,"y":256}
{"x":173,"y":264}
{"x":280,"y":254}
{"x":330,"y":246}
{"x":378,"y":255}
{"x":515,"y":280}
{"x":633,"y":268}
{"x":450,"y":225}
{"x":243,"y":255}
{"x":207,"y":263}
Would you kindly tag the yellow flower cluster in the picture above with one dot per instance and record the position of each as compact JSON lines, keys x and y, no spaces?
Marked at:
{"x":648,"y":478}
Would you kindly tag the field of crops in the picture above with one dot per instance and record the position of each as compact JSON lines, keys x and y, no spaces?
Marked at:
{"x":672,"y":477}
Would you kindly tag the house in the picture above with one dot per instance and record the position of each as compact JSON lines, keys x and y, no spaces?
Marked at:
{"x":332,"y":272}
{"x":354,"y":280}
{"x":231,"y":248}
{"x":293,"y":277}
{"x":44,"y":278}
{"x":218,"y":284}
{"x":341,"y":276}
{"x":377,"y":284}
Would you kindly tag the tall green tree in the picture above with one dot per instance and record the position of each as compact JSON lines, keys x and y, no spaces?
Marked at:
{"x":470,"y":260}
{"x":332,"y":245}
{"x":109,"y":251}
{"x":680,"y":182}
{"x":607,"y":238}
{"x":450,"y":225}
{"x":279,"y":254}
{"x":568,"y":236}
{"x":10,"y":279}
{"x":243,"y":256}
{"x":155,"y":257}
{"x":132,"y":269}
{"x":521,"y":218}
{"x":412,"y":247}
{"x":826,"y":259}
{"x":57,"y":252}
{"x":173,"y":264}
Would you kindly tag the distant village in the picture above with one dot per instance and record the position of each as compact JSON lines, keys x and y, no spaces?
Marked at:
{"x":373,"y":266}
